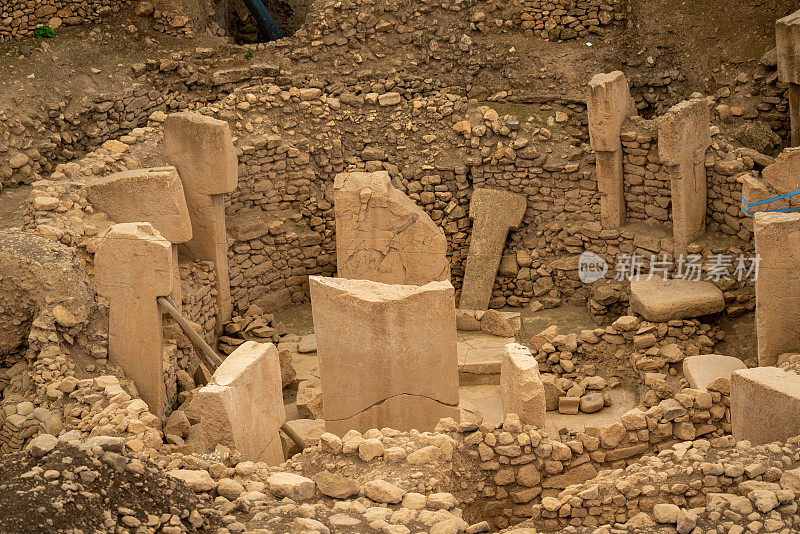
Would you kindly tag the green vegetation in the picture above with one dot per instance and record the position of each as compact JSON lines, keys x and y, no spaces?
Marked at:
{"x":44,"y":32}
{"x":248,"y":54}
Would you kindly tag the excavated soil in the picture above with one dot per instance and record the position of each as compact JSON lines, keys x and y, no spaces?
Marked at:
{"x":36,"y":504}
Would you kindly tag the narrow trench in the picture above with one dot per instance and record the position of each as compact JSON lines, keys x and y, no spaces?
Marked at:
{"x":289,"y":15}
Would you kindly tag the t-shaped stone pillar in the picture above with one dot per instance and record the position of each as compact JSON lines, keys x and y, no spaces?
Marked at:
{"x":493,"y":213}
{"x":683,"y":138}
{"x":147,"y":195}
{"x":133,"y":267}
{"x":777,"y":238}
{"x":202,"y":150}
{"x":787,"y":39}
{"x":609,"y":104}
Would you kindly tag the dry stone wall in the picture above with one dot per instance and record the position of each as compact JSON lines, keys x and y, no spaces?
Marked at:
{"x":293,"y":138}
{"x":554,"y":19}
{"x":19,"y":18}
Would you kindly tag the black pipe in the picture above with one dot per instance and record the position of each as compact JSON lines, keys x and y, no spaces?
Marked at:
{"x":264,"y":20}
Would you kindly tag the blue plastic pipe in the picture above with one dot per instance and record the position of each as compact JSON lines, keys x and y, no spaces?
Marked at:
{"x":264,"y":20}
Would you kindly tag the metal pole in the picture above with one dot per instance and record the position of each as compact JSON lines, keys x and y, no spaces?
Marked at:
{"x":294,"y":436}
{"x":211,"y":357}
{"x":264,"y":20}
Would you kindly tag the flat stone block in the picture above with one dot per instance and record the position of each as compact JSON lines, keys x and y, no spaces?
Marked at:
{"x":144,"y":195}
{"x":569,"y":405}
{"x":765,"y":402}
{"x":777,"y":295}
{"x":661,"y":300}
{"x":701,"y":370}
{"x":787,"y":38}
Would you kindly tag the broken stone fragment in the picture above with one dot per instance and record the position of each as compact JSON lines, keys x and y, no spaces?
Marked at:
{"x":383,"y":492}
{"x":521,"y":388}
{"x":382,"y":235}
{"x":335,"y":485}
{"x":292,"y":486}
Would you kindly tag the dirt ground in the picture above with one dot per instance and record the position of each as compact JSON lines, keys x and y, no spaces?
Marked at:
{"x":707,"y":40}
{"x":68,"y":489}
{"x":13,"y":204}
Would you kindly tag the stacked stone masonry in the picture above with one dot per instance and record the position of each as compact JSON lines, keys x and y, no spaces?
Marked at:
{"x":281,"y":215}
{"x":19,"y":18}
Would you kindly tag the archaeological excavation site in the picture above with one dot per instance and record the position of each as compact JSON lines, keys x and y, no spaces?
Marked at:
{"x":400,"y":266}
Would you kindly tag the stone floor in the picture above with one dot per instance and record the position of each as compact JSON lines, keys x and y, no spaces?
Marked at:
{"x":486,"y":398}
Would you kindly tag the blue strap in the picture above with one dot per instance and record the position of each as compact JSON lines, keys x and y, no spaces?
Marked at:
{"x":787,"y":195}
{"x":773,"y":199}
{"x":784,"y":210}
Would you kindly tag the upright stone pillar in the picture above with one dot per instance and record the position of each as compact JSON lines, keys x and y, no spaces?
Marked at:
{"x":521,"y":387}
{"x":683,"y":138}
{"x":382,"y":235}
{"x":777,"y":238}
{"x":202,"y":150}
{"x":787,"y":39}
{"x":242,"y":406}
{"x":493,"y":214}
{"x":387,"y":353}
{"x":133,"y":266}
{"x":147,"y":195}
{"x":609,"y":104}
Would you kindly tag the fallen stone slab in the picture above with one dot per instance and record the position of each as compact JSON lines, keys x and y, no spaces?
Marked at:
{"x":307,"y":344}
{"x":704,"y":369}
{"x":765,"y":402}
{"x":660,"y":300}
{"x":242,"y":408}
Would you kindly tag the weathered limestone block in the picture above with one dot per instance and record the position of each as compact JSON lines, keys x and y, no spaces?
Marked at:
{"x":784,"y":174}
{"x":661,"y":300}
{"x":521,"y":388}
{"x":382,"y":235}
{"x":765,"y":402}
{"x":242,"y":406}
{"x":777,"y":239}
{"x":152,"y":195}
{"x":609,"y":104}
{"x":493,"y":213}
{"x":387,"y":353}
{"x":754,"y":190}
{"x":787,"y":39}
{"x":701,"y":370}
{"x":133,"y":267}
{"x":202,"y":150}
{"x":683,"y":138}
